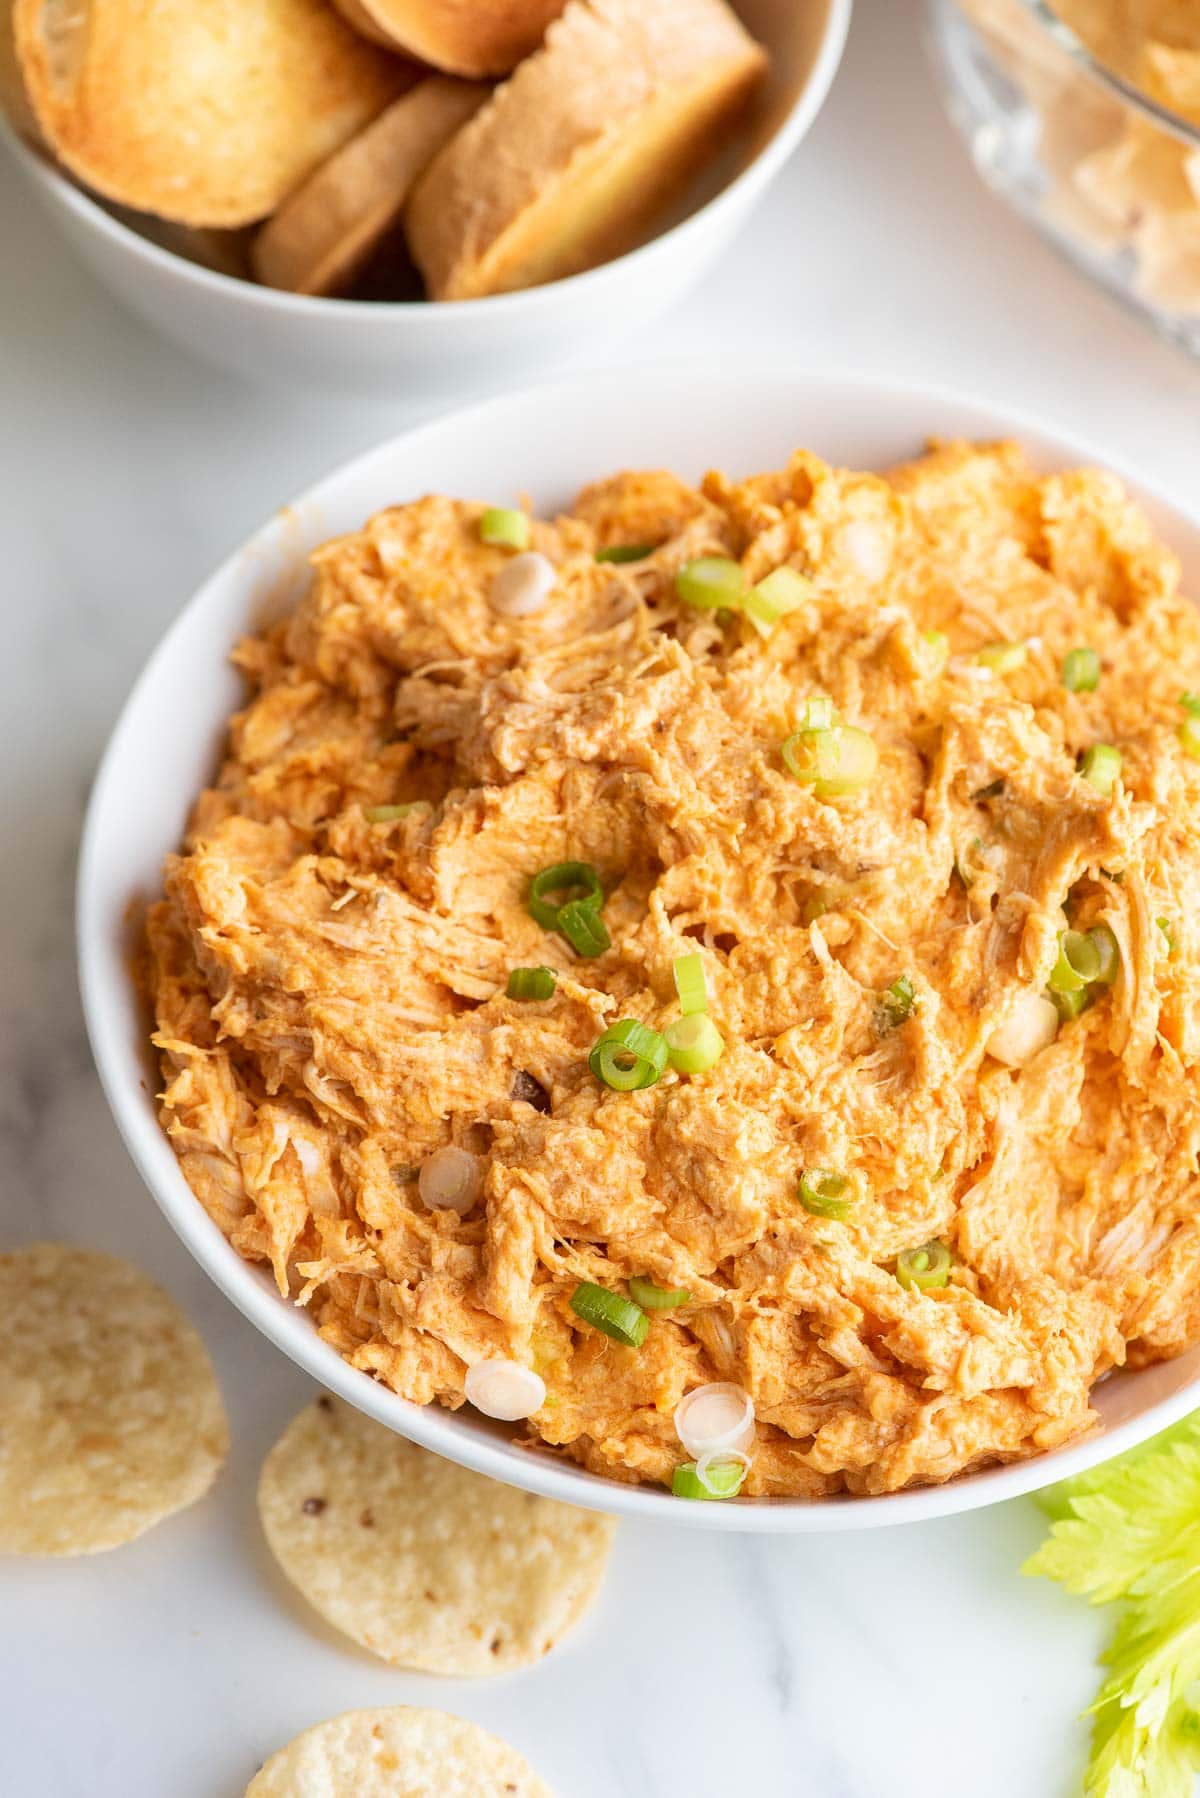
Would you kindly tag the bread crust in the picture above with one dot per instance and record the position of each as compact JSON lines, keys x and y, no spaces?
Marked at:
{"x":205,"y":114}
{"x":463,"y":37}
{"x":14,"y":102}
{"x":573,"y":158}
{"x":326,"y":230}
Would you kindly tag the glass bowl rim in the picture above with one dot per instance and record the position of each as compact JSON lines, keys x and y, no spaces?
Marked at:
{"x":1043,"y":14}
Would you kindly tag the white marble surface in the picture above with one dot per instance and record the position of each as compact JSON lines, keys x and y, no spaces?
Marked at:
{"x":909,"y":1662}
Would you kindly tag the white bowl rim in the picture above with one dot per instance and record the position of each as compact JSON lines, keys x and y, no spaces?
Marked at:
{"x":758,"y":172}
{"x":432,"y":1426}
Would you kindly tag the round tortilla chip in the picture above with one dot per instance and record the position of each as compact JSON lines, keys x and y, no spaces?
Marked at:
{"x":425,"y":1564}
{"x":397,"y":1752}
{"x":110,"y":1416}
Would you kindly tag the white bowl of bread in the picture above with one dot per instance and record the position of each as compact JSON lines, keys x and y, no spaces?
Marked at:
{"x":407,"y":190}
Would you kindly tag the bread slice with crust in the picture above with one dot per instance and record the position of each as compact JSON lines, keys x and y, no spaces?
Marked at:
{"x":325,"y":231}
{"x":463,"y":37}
{"x":14,"y":102}
{"x":203,"y":111}
{"x":587,"y":144}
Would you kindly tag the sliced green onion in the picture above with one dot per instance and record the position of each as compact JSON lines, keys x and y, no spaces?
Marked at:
{"x":824,"y":1193}
{"x":938,"y":644}
{"x":1189,"y":734}
{"x":1190,"y":703}
{"x":814,"y":907}
{"x":568,"y":898}
{"x":694,"y":1044}
{"x":504,"y":525}
{"x":1109,"y":952}
{"x":625,"y":552}
{"x":650,"y":1297}
{"x":832,"y":762}
{"x":1078,"y":965}
{"x":1164,"y":924}
{"x":690,"y":983}
{"x":895,"y":1007}
{"x":584,"y":928}
{"x":925,"y":1267}
{"x":531,"y":983}
{"x":550,"y":890}
{"x":608,"y":1311}
{"x":388,"y":814}
{"x":1102,"y":763}
{"x":724,"y":1481}
{"x":711,"y":582}
{"x":1081,"y":671}
{"x":628,"y":1056}
{"x":1069,"y":1005}
{"x":772,"y":598}
{"x":1002,"y":658}
{"x":817,"y":713}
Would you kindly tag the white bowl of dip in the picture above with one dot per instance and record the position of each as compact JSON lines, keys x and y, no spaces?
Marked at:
{"x":548,"y":441}
{"x":434,"y":353}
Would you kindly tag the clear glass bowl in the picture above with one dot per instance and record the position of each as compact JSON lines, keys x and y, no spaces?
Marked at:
{"x":1111,"y":176}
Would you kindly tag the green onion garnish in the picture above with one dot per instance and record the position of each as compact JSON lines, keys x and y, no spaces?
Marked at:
{"x":625,"y":552}
{"x":938,"y":644}
{"x":823,"y":1193}
{"x":504,"y":526}
{"x":1189,"y":730}
{"x":694,"y":1044}
{"x":629,"y":1056}
{"x":1164,"y":924}
{"x":388,"y":814}
{"x":1190,"y":703}
{"x":925,"y":1267}
{"x":1109,"y":951}
{"x":1101,"y":764}
{"x":565,"y":881}
{"x":724,"y":1481}
{"x":1078,"y":963}
{"x":531,"y":983}
{"x":711,"y":583}
{"x":895,"y":1007}
{"x":1081,"y":671}
{"x":650,"y":1297}
{"x":608,"y":1311}
{"x":1002,"y":658}
{"x":690,"y":983}
{"x":817,"y":713}
{"x":583,"y":928}
{"x":832,"y":761}
{"x":814,"y":907}
{"x":568,"y":898}
{"x":772,"y":598}
{"x":1069,"y":1005}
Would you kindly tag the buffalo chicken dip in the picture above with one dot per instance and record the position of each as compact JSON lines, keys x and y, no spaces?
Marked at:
{"x":713,"y":979}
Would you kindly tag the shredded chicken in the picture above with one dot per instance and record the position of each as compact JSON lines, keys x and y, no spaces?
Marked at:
{"x":330,"y":992}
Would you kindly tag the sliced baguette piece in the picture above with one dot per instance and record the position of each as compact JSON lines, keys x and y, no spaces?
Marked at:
{"x":463,"y":37}
{"x":207,"y":114}
{"x":326,"y":231}
{"x":587,"y":144}
{"x":14,"y":102}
